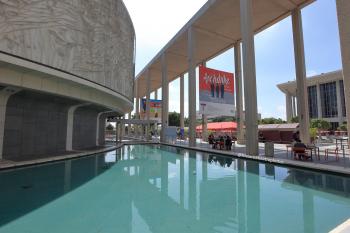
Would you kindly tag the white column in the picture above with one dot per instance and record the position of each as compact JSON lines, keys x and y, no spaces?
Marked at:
{"x":339,"y":107}
{"x":4,"y":97}
{"x":122,"y":128}
{"x":319,"y":105}
{"x":148,"y":97}
{"x":98,"y":127}
{"x":182,"y":102}
{"x":165,"y":97}
{"x":239,"y":96}
{"x":303,"y":110}
{"x":129,"y":125}
{"x":204,"y":120}
{"x":251,"y":110}
{"x":289,"y":108}
{"x":70,"y":125}
{"x":343,"y":12}
{"x":191,"y":87}
{"x":294,"y":101}
{"x":156,"y":94}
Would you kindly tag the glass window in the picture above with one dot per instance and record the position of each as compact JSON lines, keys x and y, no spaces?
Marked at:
{"x":312,"y":97}
{"x":329,"y":100}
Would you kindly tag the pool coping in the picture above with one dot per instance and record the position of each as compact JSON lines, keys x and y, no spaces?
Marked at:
{"x":22,"y":164}
{"x":284,"y":162}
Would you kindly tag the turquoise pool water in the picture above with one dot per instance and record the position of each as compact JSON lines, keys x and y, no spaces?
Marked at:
{"x":157,"y":189}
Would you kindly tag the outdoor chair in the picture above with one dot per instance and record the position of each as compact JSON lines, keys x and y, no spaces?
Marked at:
{"x":301,"y":153}
{"x":334,"y":151}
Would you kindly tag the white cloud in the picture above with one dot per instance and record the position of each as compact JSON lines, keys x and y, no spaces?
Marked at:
{"x":311,"y":73}
{"x":156,"y":22}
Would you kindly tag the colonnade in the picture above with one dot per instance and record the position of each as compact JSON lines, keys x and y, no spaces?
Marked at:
{"x":296,"y":106}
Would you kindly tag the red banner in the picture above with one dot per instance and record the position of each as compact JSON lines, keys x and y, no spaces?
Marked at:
{"x":209,"y":77}
{"x":216,"y":92}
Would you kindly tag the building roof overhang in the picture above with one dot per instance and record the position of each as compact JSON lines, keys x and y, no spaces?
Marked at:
{"x":217,"y":28}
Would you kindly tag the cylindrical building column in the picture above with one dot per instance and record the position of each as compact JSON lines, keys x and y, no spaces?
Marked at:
{"x":303,"y":110}
{"x":148,"y":96}
{"x":250,"y":96}
{"x":182,"y":102}
{"x":343,"y":12}
{"x":156,"y":94}
{"x":191,"y":87}
{"x":165,"y":98}
{"x":129,"y":125}
{"x":204,"y":120}
{"x":294,"y":100}
{"x":239,"y":96}
{"x":289,"y":107}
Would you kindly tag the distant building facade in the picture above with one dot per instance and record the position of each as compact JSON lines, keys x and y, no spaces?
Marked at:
{"x":325,"y":98}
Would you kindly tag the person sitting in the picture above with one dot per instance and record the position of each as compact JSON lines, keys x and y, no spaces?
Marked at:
{"x":221,"y":142}
{"x":228,"y":143}
{"x":296,"y":137}
{"x":299,"y":149}
{"x":261,"y":137}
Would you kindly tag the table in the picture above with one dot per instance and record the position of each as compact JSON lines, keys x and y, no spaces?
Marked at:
{"x":312,"y":148}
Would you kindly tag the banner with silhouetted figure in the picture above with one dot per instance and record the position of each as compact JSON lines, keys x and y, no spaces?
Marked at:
{"x":216,"y":92}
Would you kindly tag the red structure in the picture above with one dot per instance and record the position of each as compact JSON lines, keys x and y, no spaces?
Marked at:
{"x":219,"y":128}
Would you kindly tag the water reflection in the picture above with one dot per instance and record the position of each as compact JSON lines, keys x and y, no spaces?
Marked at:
{"x":167,"y":189}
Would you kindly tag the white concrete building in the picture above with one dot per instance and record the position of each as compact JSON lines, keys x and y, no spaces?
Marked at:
{"x":64,"y":66}
{"x":325,"y":94}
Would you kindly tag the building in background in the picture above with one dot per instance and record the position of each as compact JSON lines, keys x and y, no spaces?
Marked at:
{"x":325,"y":97}
{"x":64,"y":67}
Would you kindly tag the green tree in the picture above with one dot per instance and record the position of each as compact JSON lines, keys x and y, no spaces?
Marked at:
{"x":320,"y":124}
{"x":343,"y":127}
{"x":271,"y":120}
{"x":295,"y":120}
{"x":110,"y":127}
{"x":223,"y":119}
{"x":174,"y":119}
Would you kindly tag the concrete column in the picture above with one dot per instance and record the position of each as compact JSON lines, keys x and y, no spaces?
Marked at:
{"x":294,"y":101}
{"x":122,"y":129}
{"x":204,"y":120}
{"x":239,"y":96}
{"x":70,"y":125}
{"x":204,"y":127}
{"x":148,"y":105}
{"x":339,"y":107}
{"x":165,"y":97}
{"x":98,"y":127}
{"x":319,"y":105}
{"x":343,"y":12}
{"x":4,"y":97}
{"x":182,"y":102}
{"x":129,"y":125}
{"x":302,"y":101}
{"x":156,"y":94}
{"x":289,"y":107}
{"x":251,"y":109}
{"x":191,"y":87}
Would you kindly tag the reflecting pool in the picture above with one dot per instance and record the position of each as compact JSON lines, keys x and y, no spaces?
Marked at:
{"x":159,"y":189}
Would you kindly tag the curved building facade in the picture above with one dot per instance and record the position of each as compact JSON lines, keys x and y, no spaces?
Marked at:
{"x":64,"y":66}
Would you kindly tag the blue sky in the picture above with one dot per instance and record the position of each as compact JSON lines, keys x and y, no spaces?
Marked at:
{"x":273,"y":47}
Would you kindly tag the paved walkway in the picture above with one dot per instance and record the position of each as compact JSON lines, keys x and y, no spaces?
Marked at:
{"x":281,"y":157}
